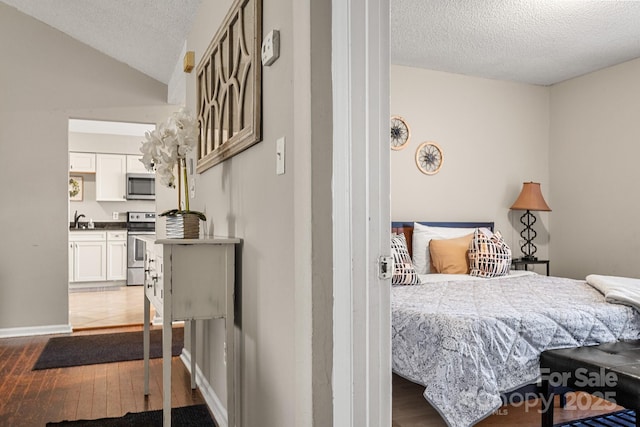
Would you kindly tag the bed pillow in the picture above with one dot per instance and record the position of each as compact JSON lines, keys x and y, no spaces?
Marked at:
{"x":450,"y":256}
{"x":403,"y":271}
{"x":489,"y":255}
{"x":422,"y":235}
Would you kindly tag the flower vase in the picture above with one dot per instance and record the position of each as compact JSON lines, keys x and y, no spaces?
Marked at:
{"x":183,"y":226}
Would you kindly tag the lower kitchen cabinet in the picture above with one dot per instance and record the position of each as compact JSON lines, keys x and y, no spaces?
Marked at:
{"x":116,"y":255}
{"x":97,"y":256}
{"x":89,"y":261}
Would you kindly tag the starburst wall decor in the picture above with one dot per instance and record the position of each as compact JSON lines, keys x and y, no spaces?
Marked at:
{"x":400,"y":133}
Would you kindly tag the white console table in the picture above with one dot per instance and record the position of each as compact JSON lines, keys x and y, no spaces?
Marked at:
{"x":190,"y":279}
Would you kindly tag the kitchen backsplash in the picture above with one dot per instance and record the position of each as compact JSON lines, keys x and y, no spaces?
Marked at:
{"x":103,"y":211}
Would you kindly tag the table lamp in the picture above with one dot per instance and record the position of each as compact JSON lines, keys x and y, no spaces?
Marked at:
{"x":530,"y":199}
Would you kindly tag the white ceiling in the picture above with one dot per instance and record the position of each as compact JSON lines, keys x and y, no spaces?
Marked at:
{"x":148,"y":35}
{"x":531,"y":41}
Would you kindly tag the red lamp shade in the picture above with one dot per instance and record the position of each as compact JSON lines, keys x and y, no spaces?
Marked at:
{"x":530,"y":198}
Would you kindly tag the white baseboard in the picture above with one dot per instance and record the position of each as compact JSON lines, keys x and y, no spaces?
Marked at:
{"x":211,"y":398}
{"x":35,"y":330}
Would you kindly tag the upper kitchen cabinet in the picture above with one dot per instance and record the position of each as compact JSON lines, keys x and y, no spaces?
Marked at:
{"x":134,"y":165}
{"x":82,"y":162}
{"x":111,"y":175}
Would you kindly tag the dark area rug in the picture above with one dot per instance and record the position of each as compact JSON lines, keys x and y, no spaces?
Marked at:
{"x":62,"y":352}
{"x":624,"y":418}
{"x":186,"y":416}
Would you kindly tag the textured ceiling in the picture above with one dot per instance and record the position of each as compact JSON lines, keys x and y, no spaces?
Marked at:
{"x":533,"y":41}
{"x":148,"y":35}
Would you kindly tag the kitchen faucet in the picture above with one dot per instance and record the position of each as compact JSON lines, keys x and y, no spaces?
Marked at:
{"x":76,"y":218}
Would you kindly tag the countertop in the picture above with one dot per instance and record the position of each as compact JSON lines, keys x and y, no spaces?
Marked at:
{"x":99,"y":226}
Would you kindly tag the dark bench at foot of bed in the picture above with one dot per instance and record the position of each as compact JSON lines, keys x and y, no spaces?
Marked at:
{"x":611,"y":371}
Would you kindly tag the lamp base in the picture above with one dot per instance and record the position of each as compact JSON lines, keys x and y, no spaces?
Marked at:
{"x":528,"y":234}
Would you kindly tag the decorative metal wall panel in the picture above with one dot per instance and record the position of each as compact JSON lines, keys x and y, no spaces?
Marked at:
{"x":229,"y":86}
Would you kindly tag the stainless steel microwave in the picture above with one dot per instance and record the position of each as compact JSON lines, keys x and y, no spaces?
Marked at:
{"x":141,"y":186}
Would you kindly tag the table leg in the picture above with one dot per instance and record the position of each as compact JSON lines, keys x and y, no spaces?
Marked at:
{"x":547,"y":404}
{"x":233,"y":401}
{"x":145,"y":343}
{"x":192,"y":350}
{"x":166,"y":366}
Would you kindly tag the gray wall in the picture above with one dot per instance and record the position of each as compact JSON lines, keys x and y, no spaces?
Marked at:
{"x":45,"y":79}
{"x":494,"y":135}
{"x":595,"y":174}
{"x":284,"y":278}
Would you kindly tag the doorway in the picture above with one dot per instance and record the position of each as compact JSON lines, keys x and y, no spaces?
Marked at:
{"x":101,"y":153}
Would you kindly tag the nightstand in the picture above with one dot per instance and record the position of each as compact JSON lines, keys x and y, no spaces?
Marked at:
{"x":523,"y":264}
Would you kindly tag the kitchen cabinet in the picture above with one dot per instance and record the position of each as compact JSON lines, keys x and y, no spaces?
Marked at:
{"x":82,"y":162}
{"x":88,"y":256}
{"x":97,"y":256}
{"x":134,"y":165}
{"x":117,"y":255}
{"x":111,"y":174}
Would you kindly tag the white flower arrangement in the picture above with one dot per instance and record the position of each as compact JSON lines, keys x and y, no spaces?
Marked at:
{"x":167,"y":146}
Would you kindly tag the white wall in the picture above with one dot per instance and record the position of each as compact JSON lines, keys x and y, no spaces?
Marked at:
{"x":48,"y":78}
{"x":595,"y":174}
{"x":105,"y":143}
{"x":494,"y":135}
{"x":103,"y":211}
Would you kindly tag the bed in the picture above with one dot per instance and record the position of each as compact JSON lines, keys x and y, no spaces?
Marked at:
{"x":469,"y":341}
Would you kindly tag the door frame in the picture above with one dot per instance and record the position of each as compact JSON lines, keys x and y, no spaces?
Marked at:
{"x":361,"y":213}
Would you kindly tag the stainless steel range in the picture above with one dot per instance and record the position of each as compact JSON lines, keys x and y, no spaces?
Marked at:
{"x":138,"y":223}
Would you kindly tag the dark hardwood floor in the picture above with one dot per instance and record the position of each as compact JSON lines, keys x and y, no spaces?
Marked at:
{"x":410,"y":409}
{"x":33,"y":398}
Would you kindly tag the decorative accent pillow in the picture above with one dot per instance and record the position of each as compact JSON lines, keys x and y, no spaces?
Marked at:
{"x":489,"y":255}
{"x":450,"y":256}
{"x":422,"y":235}
{"x":403,"y":271}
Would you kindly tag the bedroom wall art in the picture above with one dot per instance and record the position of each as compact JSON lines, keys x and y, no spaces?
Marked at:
{"x":400,"y":133}
{"x":229,"y":86}
{"x":429,"y":158}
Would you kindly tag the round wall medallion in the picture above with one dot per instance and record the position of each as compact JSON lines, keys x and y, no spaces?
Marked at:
{"x":400,"y":133}
{"x":429,"y":158}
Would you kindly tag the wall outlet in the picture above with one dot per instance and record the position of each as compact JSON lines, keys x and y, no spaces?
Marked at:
{"x":270,"y":48}
{"x":115,"y":215}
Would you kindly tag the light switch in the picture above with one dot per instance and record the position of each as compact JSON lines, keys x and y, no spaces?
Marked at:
{"x":280,"y":156}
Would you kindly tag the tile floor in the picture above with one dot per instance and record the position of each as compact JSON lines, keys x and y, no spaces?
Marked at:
{"x":106,"y":306}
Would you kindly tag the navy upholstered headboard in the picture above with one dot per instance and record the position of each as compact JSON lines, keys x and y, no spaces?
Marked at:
{"x":406,"y":228}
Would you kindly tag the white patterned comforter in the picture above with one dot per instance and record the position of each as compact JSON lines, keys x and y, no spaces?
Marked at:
{"x":469,"y":341}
